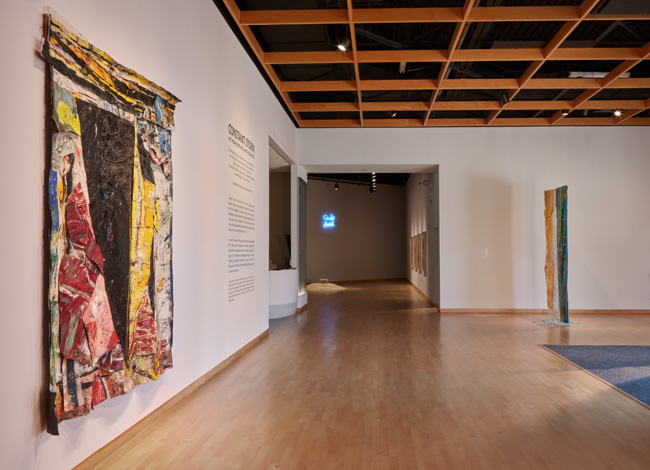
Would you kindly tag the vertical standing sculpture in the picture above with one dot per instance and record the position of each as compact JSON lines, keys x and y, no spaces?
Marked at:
{"x":555,"y":214}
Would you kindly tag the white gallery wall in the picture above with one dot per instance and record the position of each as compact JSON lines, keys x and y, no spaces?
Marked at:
{"x":491,"y":186}
{"x":491,"y":197}
{"x":368,"y":238}
{"x":187,"y":48}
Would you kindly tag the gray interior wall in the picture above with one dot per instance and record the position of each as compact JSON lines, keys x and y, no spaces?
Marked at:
{"x":369,"y":234}
{"x":279,"y":218}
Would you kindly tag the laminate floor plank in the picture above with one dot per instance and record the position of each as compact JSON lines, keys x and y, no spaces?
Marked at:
{"x":371,"y":377}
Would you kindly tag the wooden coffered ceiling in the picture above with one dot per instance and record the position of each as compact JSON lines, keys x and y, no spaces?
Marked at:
{"x":414,"y":63}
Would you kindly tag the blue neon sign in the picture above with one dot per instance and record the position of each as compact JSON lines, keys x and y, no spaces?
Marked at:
{"x":329,"y":221}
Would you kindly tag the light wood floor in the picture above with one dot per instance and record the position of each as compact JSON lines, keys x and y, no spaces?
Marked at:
{"x":372,"y":378}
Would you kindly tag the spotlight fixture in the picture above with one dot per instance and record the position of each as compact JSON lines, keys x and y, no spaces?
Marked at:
{"x":343,"y":46}
{"x":617,"y":113}
{"x":336,"y":186}
{"x":392,"y":113}
{"x":504,"y":99}
{"x":565,"y":112}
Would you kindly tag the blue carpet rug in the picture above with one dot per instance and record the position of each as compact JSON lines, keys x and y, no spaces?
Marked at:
{"x":625,"y":367}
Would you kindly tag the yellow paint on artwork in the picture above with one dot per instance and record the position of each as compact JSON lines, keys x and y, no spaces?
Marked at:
{"x":69,"y":119}
{"x":141,"y":368}
{"x":549,"y":203}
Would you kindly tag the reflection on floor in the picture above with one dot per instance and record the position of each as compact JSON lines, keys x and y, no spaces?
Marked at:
{"x":372,"y":377}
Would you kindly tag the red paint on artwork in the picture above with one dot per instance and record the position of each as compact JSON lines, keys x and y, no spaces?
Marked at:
{"x":80,"y":229}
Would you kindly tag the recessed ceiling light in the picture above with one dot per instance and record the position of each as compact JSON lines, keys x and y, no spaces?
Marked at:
{"x":617,"y":113}
{"x":565,"y":112}
{"x":342,"y":47}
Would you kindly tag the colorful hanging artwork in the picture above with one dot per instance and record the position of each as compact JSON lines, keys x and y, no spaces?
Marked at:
{"x":555,"y":215}
{"x":110,"y":197}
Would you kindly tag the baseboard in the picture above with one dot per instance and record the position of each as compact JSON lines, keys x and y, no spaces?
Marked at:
{"x":541,"y":311}
{"x":494,"y":310}
{"x":302,"y":309}
{"x":369,"y":280}
{"x":431,"y":302}
{"x":108,"y":449}
{"x":611,"y":311}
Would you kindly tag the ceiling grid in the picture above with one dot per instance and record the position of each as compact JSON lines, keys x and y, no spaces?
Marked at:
{"x":416,"y":63}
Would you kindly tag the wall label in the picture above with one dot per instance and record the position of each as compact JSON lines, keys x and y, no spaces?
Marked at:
{"x":329,"y":221}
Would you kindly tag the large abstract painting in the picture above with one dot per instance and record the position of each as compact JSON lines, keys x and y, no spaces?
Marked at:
{"x":555,"y":215}
{"x":110,"y":199}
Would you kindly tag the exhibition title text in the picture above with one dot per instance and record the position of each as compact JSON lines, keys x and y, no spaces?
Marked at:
{"x":241,"y":138}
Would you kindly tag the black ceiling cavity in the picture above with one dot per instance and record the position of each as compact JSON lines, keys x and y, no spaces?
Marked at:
{"x":393,"y":114}
{"x":564,"y":69}
{"x":402,"y":36}
{"x":300,"y":73}
{"x":300,"y":38}
{"x":407,"y":3}
{"x":329,"y":115}
{"x":394,"y":179}
{"x":391,"y":71}
{"x":324,"y":97}
{"x":396,"y":95}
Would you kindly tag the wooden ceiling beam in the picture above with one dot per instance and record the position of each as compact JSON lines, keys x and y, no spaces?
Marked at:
{"x":492,"y":116}
{"x":408,"y":15}
{"x":395,"y":106}
{"x":422,"y":84}
{"x":644,"y":121}
{"x":330,"y":123}
{"x":470,"y":105}
{"x":462,"y":84}
{"x":327,"y":107}
{"x":510,"y":122}
{"x":468,"y":122}
{"x":319,"y":85}
{"x":588,"y":121}
{"x":291,"y":17}
{"x":455,"y":122}
{"x":393,"y":123}
{"x":478,"y":84}
{"x":465,"y":105}
{"x":424,"y":15}
{"x":317,"y":57}
{"x":599,"y":53}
